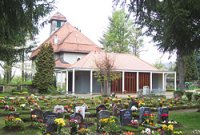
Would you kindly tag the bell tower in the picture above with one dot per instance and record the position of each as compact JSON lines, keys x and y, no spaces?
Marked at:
{"x":56,"y":21}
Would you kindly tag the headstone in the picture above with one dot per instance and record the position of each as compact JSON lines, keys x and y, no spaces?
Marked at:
{"x":163,"y":113}
{"x":144,"y":111}
{"x":81,"y":110}
{"x":51,"y":126}
{"x":133,"y":103}
{"x":101,"y":115}
{"x":146,"y":90}
{"x":78,"y":117}
{"x":37,"y":115}
{"x":1,"y":88}
{"x":13,"y":115}
{"x":99,"y":108}
{"x":48,"y":114}
{"x":125,"y":117}
{"x":114,"y":109}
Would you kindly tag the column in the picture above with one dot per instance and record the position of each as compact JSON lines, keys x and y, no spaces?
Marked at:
{"x":61,"y":79}
{"x":123,"y":82}
{"x":175,"y":81}
{"x":73,"y":81}
{"x":91,"y":81}
{"x":151,"y":85}
{"x":137,"y":82}
{"x":66,"y":83}
{"x":163,"y":81}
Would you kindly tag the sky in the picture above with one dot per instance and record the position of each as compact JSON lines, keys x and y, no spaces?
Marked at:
{"x":91,"y":17}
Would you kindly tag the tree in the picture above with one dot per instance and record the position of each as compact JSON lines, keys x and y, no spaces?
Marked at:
{"x":21,"y":17}
{"x":105,"y":73}
{"x":191,"y":71}
{"x":45,"y":64}
{"x":174,"y":25}
{"x":159,"y":65}
{"x":121,"y":34}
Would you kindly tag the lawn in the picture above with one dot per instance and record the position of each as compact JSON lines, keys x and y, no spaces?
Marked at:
{"x":189,"y":121}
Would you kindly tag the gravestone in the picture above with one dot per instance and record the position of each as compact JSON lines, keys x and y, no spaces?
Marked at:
{"x":13,"y":115}
{"x":48,"y":114}
{"x":163,"y":114}
{"x":114,"y":109}
{"x":37,"y":115}
{"x":58,"y":109}
{"x":81,"y":110}
{"x":101,"y":115}
{"x":133,"y":103}
{"x":78,"y":117}
{"x":51,"y":126}
{"x":1,"y":88}
{"x":125,"y":117}
{"x":143,"y":112}
{"x":99,"y":108}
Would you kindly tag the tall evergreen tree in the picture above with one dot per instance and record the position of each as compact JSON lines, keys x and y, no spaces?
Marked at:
{"x":45,"y":64}
{"x":121,"y":35}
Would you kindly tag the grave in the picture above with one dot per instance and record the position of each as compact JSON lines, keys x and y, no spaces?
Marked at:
{"x":99,"y":108}
{"x":81,"y":110}
{"x":163,"y":113}
{"x":144,"y":112}
{"x":37,"y":115}
{"x":133,"y":103}
{"x":101,"y":115}
{"x":48,"y":114}
{"x":78,"y":117}
{"x":125,"y":117}
{"x":51,"y":126}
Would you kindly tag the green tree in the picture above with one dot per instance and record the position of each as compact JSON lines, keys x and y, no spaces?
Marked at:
{"x":191,"y":71}
{"x":45,"y":64}
{"x":121,"y":35}
{"x":174,"y":25}
{"x":21,"y":17}
{"x":105,"y":73}
{"x":159,"y":65}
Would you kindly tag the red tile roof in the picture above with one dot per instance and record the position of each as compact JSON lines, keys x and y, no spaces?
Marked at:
{"x":121,"y":62}
{"x":69,"y":40}
{"x":60,"y":64}
{"x":58,"y":16}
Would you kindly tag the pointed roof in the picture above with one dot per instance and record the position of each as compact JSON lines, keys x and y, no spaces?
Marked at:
{"x":121,"y":62}
{"x":70,"y":39}
{"x":58,"y":16}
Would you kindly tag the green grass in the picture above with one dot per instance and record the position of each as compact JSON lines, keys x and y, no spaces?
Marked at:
{"x":190,"y":121}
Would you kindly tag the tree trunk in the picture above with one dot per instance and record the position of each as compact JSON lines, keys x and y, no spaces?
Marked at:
{"x":180,"y":66}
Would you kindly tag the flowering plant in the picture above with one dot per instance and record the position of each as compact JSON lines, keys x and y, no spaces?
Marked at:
{"x":12,"y":122}
{"x":135,"y":123}
{"x":167,"y":130}
{"x":83,"y":131}
{"x":73,"y":123}
{"x":60,"y":123}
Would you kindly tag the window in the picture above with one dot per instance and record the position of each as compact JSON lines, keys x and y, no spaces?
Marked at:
{"x":58,"y":24}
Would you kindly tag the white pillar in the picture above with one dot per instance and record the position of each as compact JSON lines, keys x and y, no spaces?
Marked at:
{"x":175,"y":81}
{"x":57,"y":75}
{"x":61,"y":79}
{"x":123,"y":82}
{"x":151,"y":82}
{"x":91,"y":81}
{"x":163,"y":81}
{"x":66,"y":83}
{"x":73,"y":81}
{"x":137,"y":81}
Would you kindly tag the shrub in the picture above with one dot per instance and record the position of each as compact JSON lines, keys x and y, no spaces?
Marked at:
{"x":189,"y":95}
{"x":178,"y":93}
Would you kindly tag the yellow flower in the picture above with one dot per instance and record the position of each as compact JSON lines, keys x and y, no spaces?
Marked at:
{"x":18,"y":119}
{"x":171,"y":127}
{"x":164,"y":127}
{"x":60,"y":122}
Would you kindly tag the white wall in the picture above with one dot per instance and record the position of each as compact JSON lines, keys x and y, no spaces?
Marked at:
{"x":72,"y":57}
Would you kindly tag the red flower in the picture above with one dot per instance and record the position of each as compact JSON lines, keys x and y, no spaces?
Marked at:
{"x":164,"y":115}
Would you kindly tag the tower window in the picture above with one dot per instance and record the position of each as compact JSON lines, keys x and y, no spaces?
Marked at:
{"x":58,"y":24}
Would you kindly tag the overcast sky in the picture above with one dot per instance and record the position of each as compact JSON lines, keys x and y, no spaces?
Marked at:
{"x":91,"y":16}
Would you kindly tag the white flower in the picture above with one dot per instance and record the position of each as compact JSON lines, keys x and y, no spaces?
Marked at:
{"x":148,"y":131}
{"x":133,"y":108}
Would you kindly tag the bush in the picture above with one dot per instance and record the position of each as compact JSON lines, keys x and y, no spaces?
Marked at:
{"x":178,"y":94}
{"x":189,"y":95}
